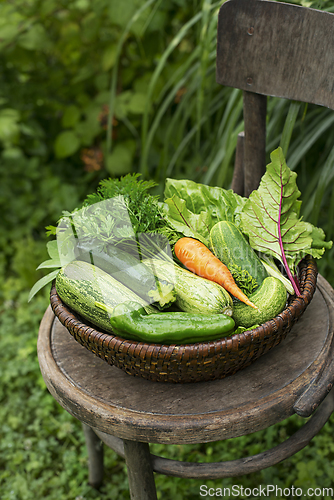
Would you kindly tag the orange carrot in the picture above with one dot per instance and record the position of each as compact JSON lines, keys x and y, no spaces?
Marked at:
{"x":201,"y":261}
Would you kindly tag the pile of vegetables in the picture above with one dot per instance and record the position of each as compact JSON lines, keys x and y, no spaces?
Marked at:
{"x":203,"y":264}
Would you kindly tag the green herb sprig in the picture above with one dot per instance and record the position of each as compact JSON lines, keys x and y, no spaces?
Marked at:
{"x":143,"y":208}
{"x":243,"y":279}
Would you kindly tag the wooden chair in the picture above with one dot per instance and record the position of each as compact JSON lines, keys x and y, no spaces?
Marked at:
{"x":269,"y":48}
{"x":265,"y":48}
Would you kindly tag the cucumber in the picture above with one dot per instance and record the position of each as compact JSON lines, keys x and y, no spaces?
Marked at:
{"x":270,"y":298}
{"x":193,"y":293}
{"x":231,"y":247}
{"x":130,"y":271}
{"x":80,"y":284}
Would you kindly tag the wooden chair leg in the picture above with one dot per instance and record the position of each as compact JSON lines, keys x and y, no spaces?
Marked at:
{"x":95,"y":456}
{"x":255,"y":111}
{"x":140,"y":472}
{"x":238,"y":173}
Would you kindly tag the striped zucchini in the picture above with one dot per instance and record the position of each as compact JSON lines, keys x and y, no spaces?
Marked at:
{"x":130,"y":271}
{"x":193,"y":293}
{"x":80,"y":284}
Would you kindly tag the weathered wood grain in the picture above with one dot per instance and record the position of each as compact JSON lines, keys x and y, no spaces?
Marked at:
{"x":95,"y":456}
{"x":140,"y":472}
{"x":240,"y":466}
{"x":276,"y":49}
{"x":255,"y":112}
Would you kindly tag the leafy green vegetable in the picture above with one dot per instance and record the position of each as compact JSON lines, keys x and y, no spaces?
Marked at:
{"x":184,"y":221}
{"x":271,"y":219}
{"x":143,"y":208}
{"x":55,"y":262}
{"x":99,"y":225}
{"x":241,"y":329}
{"x":243,"y":279}
{"x":193,"y":209}
{"x":121,"y":212}
{"x":134,"y":210}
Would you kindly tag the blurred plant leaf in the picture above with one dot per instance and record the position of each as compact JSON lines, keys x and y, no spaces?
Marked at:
{"x":9,"y":126}
{"x":71,"y":116}
{"x":66,"y":143}
{"x":35,"y":38}
{"x":119,"y":161}
{"x":109,"y":57}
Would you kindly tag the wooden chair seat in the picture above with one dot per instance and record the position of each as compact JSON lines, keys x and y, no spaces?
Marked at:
{"x":119,"y":407}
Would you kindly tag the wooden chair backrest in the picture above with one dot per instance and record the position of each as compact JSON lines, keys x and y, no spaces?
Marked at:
{"x":269,"y":48}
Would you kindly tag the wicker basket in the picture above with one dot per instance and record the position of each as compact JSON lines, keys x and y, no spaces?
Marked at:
{"x":193,"y":362}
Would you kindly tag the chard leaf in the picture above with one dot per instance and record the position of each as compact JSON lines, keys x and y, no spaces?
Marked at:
{"x":271,"y":220}
{"x":273,"y":270}
{"x":319,"y":245}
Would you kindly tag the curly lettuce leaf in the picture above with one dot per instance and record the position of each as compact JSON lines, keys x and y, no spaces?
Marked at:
{"x":193,"y":208}
{"x":186,"y":222}
{"x":271,"y":219}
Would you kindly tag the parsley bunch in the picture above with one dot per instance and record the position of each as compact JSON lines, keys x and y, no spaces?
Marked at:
{"x":127,"y":210}
{"x":143,"y":208}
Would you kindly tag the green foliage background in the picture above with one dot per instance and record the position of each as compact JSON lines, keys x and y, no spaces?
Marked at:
{"x":91,"y":89}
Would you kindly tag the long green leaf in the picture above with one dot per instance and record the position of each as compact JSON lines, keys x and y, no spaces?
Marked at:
{"x":310,"y":138}
{"x":326,"y":178}
{"x":42,"y":283}
{"x":214,"y":107}
{"x":289,"y":126}
{"x":160,"y":113}
{"x":160,"y":67}
{"x":49,"y":264}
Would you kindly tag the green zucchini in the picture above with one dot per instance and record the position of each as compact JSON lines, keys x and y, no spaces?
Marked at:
{"x":80,"y":284}
{"x":130,"y":271}
{"x":193,"y":293}
{"x":231,"y":247}
{"x":270,"y":299}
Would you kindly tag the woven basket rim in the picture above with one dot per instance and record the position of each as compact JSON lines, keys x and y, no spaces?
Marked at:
{"x":295,"y":308}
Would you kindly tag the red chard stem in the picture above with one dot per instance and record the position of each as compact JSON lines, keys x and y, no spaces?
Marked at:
{"x":289,"y":273}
